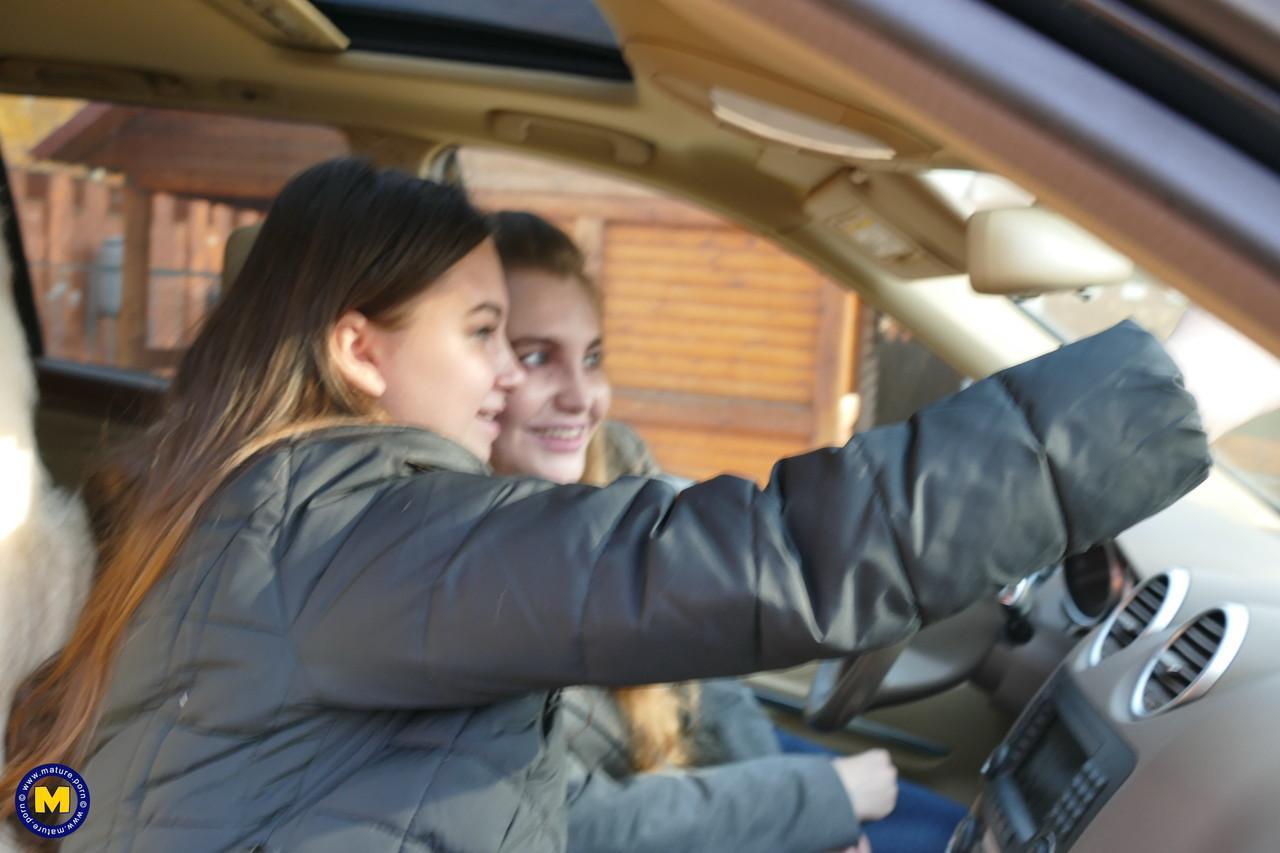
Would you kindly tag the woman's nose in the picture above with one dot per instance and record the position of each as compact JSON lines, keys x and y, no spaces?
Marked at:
{"x":510,"y":373}
{"x":573,"y":395}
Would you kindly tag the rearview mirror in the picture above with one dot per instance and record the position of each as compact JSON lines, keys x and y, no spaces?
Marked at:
{"x":1028,"y":251}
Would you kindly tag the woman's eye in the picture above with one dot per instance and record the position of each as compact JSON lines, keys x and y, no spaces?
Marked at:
{"x":593,"y":360}
{"x":537,"y":358}
{"x":485,"y":332}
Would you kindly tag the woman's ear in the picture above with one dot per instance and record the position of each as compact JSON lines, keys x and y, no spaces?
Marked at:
{"x":352,"y":345}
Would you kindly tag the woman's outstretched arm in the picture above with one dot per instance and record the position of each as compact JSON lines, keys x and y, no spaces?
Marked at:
{"x":456,"y":589}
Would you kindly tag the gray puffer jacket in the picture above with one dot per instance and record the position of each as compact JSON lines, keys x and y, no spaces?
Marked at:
{"x":358,"y":648}
{"x":741,"y":795}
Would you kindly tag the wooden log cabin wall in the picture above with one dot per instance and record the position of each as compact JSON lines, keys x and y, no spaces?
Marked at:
{"x":725,"y":353}
{"x":85,"y":239}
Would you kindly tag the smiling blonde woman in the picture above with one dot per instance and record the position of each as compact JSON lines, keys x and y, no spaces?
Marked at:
{"x":666,"y":767}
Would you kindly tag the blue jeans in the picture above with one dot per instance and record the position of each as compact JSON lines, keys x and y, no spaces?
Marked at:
{"x":922,"y":821}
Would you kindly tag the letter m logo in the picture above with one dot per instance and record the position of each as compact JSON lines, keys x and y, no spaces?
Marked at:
{"x":58,"y":801}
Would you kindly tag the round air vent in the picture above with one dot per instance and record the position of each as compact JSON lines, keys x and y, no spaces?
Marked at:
{"x":1150,"y":608}
{"x":1095,"y":582}
{"x":1192,"y":661}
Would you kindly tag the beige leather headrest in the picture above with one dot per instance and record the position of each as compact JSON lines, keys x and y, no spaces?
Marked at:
{"x":239,"y":242}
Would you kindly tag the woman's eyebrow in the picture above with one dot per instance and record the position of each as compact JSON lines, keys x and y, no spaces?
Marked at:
{"x":532,"y":340}
{"x":487,"y":306}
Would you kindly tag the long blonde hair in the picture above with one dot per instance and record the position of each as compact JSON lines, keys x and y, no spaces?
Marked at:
{"x":655,"y":714}
{"x":341,"y":236}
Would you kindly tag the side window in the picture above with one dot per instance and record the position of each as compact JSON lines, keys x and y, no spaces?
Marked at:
{"x":725,"y":353}
{"x":898,"y":375}
{"x":124,"y":214}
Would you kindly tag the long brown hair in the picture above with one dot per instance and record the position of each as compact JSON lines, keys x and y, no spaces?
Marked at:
{"x":340,"y":236}
{"x":655,"y":714}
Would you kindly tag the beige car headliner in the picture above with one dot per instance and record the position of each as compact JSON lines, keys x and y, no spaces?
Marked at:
{"x":194,"y":54}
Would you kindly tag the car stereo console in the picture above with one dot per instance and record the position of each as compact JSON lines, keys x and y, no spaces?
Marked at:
{"x":1043,"y":784}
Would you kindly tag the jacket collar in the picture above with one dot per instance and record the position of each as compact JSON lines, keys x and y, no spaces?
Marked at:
{"x":415,"y":447}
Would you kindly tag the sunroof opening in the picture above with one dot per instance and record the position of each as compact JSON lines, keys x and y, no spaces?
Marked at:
{"x":569,"y":36}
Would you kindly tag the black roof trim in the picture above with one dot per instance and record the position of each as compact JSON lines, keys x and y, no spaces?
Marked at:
{"x":438,"y":37}
{"x":1225,"y":97}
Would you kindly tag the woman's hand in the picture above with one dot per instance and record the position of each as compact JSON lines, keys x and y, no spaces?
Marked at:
{"x":871,"y":782}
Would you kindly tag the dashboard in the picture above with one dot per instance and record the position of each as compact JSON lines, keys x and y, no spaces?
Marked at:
{"x":1158,"y":728}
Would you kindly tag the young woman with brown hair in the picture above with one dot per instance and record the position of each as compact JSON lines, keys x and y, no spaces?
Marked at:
{"x":320,"y":624}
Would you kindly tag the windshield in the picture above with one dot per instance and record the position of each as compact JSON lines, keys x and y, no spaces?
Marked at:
{"x":1235,"y":381}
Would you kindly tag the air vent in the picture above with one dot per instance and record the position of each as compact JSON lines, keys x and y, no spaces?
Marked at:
{"x":1193,"y":659}
{"x":1149,"y":609}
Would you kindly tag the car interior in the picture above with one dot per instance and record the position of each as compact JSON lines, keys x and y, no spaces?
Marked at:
{"x":988,"y":175}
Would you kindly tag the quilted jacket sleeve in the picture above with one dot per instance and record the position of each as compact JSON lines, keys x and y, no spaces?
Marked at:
{"x":458,"y":589}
